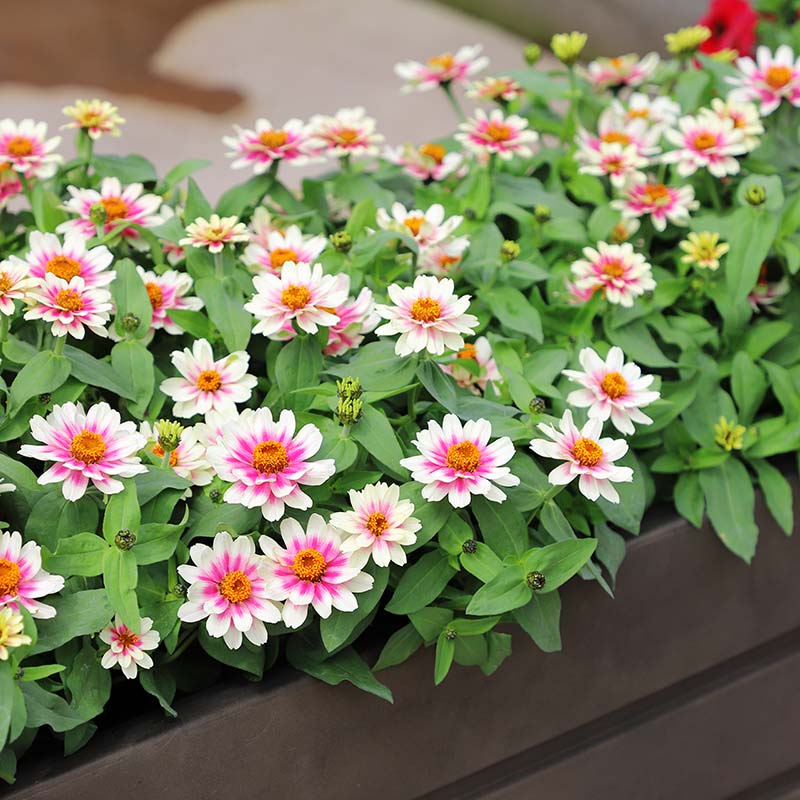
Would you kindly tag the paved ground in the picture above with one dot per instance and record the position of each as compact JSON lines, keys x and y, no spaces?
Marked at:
{"x":285,"y":58}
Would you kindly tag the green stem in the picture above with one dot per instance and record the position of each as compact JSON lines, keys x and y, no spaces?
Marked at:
{"x":4,"y":323}
{"x":569,"y":121}
{"x":58,"y":347}
{"x":165,"y":459}
{"x":448,"y":90}
{"x":346,"y":164}
{"x":711,"y":184}
{"x":26,"y":187}
{"x":182,"y":647}
{"x":218,"y":271}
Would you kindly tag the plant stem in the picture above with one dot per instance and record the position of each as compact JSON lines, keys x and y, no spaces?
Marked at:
{"x":182,"y":647}
{"x":58,"y":347}
{"x":165,"y":459}
{"x":4,"y":323}
{"x":218,"y":271}
{"x":448,"y":90}
{"x":712,"y":190}
{"x":569,"y":121}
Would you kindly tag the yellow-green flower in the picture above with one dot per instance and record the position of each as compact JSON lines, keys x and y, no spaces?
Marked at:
{"x":169,"y":434}
{"x":11,"y":635}
{"x":729,"y":435}
{"x":727,"y":56}
{"x":684,"y":42}
{"x":568,"y":46}
{"x":703,"y":249}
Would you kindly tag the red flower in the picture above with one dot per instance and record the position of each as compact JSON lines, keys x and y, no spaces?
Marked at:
{"x":733,"y":27}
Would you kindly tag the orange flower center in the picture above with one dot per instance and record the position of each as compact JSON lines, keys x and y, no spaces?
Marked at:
{"x":446,"y":261}
{"x":235,"y":587}
{"x":443,"y":62}
{"x":704,"y":140}
{"x":273,"y":139}
{"x":619,"y":233}
{"x":615,"y":164}
{"x":69,"y":300}
{"x":778,"y":76}
{"x":498,"y":132}
{"x":619,"y":137}
{"x":309,"y":565}
{"x":347,"y":135}
{"x":614,"y":268}
{"x":587,"y":452}
{"x":9,"y":577}
{"x":414,"y":223}
{"x":87,"y":446}
{"x":468,"y":351}
{"x":377,"y":523}
{"x":656,"y":193}
{"x":616,"y":62}
{"x":639,"y":113}
{"x":614,"y":385}
{"x":434,"y":151}
{"x":5,"y":282}
{"x":127,"y":638}
{"x":155,"y":294}
{"x":280,"y":255}
{"x":5,"y":167}
{"x":463,"y":457}
{"x":209,"y":380}
{"x":115,"y":207}
{"x":270,"y":457}
{"x":426,"y":309}
{"x":295,"y":297}
{"x":158,"y":450}
{"x":19,"y":146}
{"x":63,"y":267}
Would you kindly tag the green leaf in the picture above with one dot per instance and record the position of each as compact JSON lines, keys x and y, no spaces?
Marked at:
{"x":46,"y":208}
{"x":628,"y":512}
{"x":298,"y":365}
{"x":182,"y":170}
{"x":43,"y":374}
{"x":445,"y":650}
{"x":196,"y":203}
{"x":248,"y":658}
{"x":123,"y":512}
{"x":499,"y":645}
{"x":483,"y":563}
{"x":120,"y":577}
{"x":374,"y":432}
{"x":777,"y":493}
{"x":432,"y":516}
{"x":151,"y":483}
{"x":6,"y":700}
{"x":400,"y":646}
{"x":502,"y":527}
{"x":81,"y":554}
{"x":421,"y":583}
{"x":378,"y":367}
{"x":160,"y":683}
{"x":134,"y":362}
{"x":129,"y":169}
{"x":505,"y":592}
{"x":610,"y":549}
{"x":225,"y":307}
{"x":53,"y":517}
{"x":88,"y":682}
{"x":235,"y":200}
{"x":560,"y":561}
{"x":514,"y":311}
{"x":689,"y":499}
{"x":156,"y":541}
{"x":46,"y":708}
{"x":429,"y":622}
{"x":748,"y":385}
{"x":541,"y":620}
{"x":91,"y":370}
{"x":131,"y":297}
{"x":79,"y":614}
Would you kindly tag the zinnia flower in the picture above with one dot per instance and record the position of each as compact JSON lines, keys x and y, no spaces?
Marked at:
{"x":745,"y":117}
{"x":480,"y":353}
{"x":733,"y":27}
{"x":425,"y":227}
{"x":48,"y":256}
{"x":22,"y":579}
{"x":661,"y":202}
{"x":655,"y":112}
{"x":88,"y":446}
{"x":621,"y":163}
{"x":499,"y":90}
{"x":227,"y":588}
{"x":96,"y":117}
{"x":707,"y":141}
{"x":379,"y":525}
{"x":120,"y":204}
{"x":128,"y":649}
{"x":312,"y":570}
{"x":300,"y":294}
{"x":208,"y":385}
{"x":349,"y":132}
{"x":167,"y":293}
{"x":357,"y":316}
{"x":188,"y":459}
{"x":26,"y":148}
{"x":494,"y":133}
{"x":768,"y":80}
{"x":442,"y":258}
{"x":615,"y":126}
{"x":283,"y":246}
{"x":587,"y":457}
{"x":442,"y":70}
{"x":428,"y":316}
{"x":70,"y":306}
{"x":15,"y":284}
{"x":215,"y":232}
{"x":612,"y":389}
{"x":261,"y":147}
{"x":268,"y":463}
{"x":429,"y":162}
{"x":627,"y":70}
{"x":615,"y":269}
{"x":704,"y":249}
{"x":12,"y":626}
{"x":10,"y":184}
{"x":457,"y":461}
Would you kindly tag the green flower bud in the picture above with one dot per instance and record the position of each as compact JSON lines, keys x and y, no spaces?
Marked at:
{"x":169,"y":434}
{"x":542,"y":212}
{"x":178,"y":590}
{"x":509,"y":250}
{"x":535,"y":580}
{"x":568,"y":46}
{"x":349,"y":405}
{"x":45,"y":398}
{"x":130,"y":322}
{"x":450,"y":634}
{"x":755,"y":194}
{"x":125,"y":539}
{"x":341,"y":241}
{"x":685,"y":41}
{"x":98,"y":214}
{"x":536,"y":405}
{"x":532,"y":53}
{"x":470,"y":546}
{"x":215,"y":496}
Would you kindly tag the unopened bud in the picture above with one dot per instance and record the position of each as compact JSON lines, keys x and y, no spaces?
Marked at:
{"x":125,"y":539}
{"x":469,"y":213}
{"x":98,"y":214}
{"x":532,"y":53}
{"x":542,"y":212}
{"x":568,"y":46}
{"x":349,"y":404}
{"x":755,"y":194}
{"x":215,"y":495}
{"x":45,"y":398}
{"x":536,"y":405}
{"x":178,"y":590}
{"x":509,"y":250}
{"x":450,"y":634}
{"x":169,"y":434}
{"x":470,"y":546}
{"x":341,"y":241}
{"x":535,"y":580}
{"x":130,"y":322}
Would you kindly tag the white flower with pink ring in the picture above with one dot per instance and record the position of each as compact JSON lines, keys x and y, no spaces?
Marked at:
{"x":442,"y":70}
{"x":168,"y":292}
{"x":627,"y":70}
{"x":263,"y":145}
{"x":586,"y":456}
{"x":283,"y":246}
{"x":188,"y":459}
{"x":480,"y":353}
{"x":769,"y":80}
{"x":425,"y":227}
{"x":48,"y":256}
{"x":22,"y":579}
{"x":127,"y":649}
{"x":497,"y":134}
{"x":215,"y":233}
{"x":705,"y":141}
{"x":70,"y":307}
{"x":357,"y":317}
{"x":15,"y":284}
{"x":442,"y":258}
{"x":616,"y":270}
{"x":745,"y":117}
{"x":428,"y":162}
{"x":621,"y":163}
{"x":660,"y":202}
{"x":26,"y":148}
{"x":349,"y":132}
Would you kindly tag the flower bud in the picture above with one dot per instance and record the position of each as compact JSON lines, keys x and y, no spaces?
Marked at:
{"x":470,"y":546}
{"x":542,"y":212}
{"x":536,"y":405}
{"x":686,"y":41}
{"x":755,"y":194}
{"x":509,"y":250}
{"x":469,"y":213}
{"x":98,"y":214}
{"x":349,"y":405}
{"x":341,"y":241}
{"x":130,"y":322}
{"x":125,"y":539}
{"x":178,"y":590}
{"x":532,"y":53}
{"x":45,"y":398}
{"x":169,"y":434}
{"x":215,"y":496}
{"x":450,"y":634}
{"x":568,"y":46}
{"x":535,"y":580}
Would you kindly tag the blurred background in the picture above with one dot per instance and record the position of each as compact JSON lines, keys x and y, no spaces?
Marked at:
{"x":184,"y":71}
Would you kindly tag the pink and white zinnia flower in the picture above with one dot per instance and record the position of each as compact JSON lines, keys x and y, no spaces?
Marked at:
{"x":188,"y":459}
{"x":70,"y":307}
{"x":357,"y":317}
{"x":215,"y":233}
{"x":585,"y":455}
{"x":621,"y":163}
{"x":705,"y":141}
{"x":499,"y":90}
{"x":425,"y":227}
{"x":262,"y":146}
{"x":428,"y":316}
{"x":227,"y":588}
{"x":282,"y":246}
{"x":442,"y":258}
{"x":660,"y":202}
{"x":429,"y":162}
{"x":268,"y":463}
{"x":22,"y":579}
{"x":128,"y":649}
{"x":612,"y":389}
{"x":126,"y":204}
{"x":745,"y":117}
{"x":208,"y":385}
{"x":312,"y":570}
{"x":95,"y":117}
{"x":26,"y":148}
{"x":88,"y":446}
{"x":349,"y":132}
{"x":15,"y":284}
{"x":615,"y":269}
{"x":301,"y":294}
{"x":48,"y":256}
{"x":494,"y":133}
{"x":379,"y":525}
{"x":768,"y":80}
{"x":167,"y":292}
{"x":445,"y":69}
{"x":627,"y":70}
{"x":481,"y":354}
{"x":457,"y":461}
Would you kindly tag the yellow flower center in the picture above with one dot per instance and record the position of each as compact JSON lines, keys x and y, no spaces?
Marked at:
{"x":69,"y":300}
{"x":377,"y":523}
{"x":235,"y":587}
{"x":9,"y":577}
{"x":309,"y":565}
{"x":155,"y":294}
{"x":587,"y":452}
{"x":347,"y":135}
{"x":498,"y":132}
{"x":295,"y":297}
{"x":614,"y":385}
{"x":115,"y":207}
{"x":63,"y":267}
{"x":614,"y":268}
{"x":778,"y":76}
{"x":443,"y":62}
{"x":209,"y":380}
{"x":127,"y":638}
{"x":468,"y":351}
{"x":270,"y":457}
{"x":5,"y":282}
{"x":656,"y":193}
{"x":463,"y":457}
{"x":615,"y":164}
{"x":618,"y":137}
{"x":19,"y":146}
{"x":87,"y":446}
{"x":639,"y":113}
{"x":434,"y":151}
{"x":280,"y":255}
{"x":704,"y":140}
{"x":426,"y":309}
{"x":158,"y":450}
{"x":414,"y":223}
{"x":273,"y":139}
